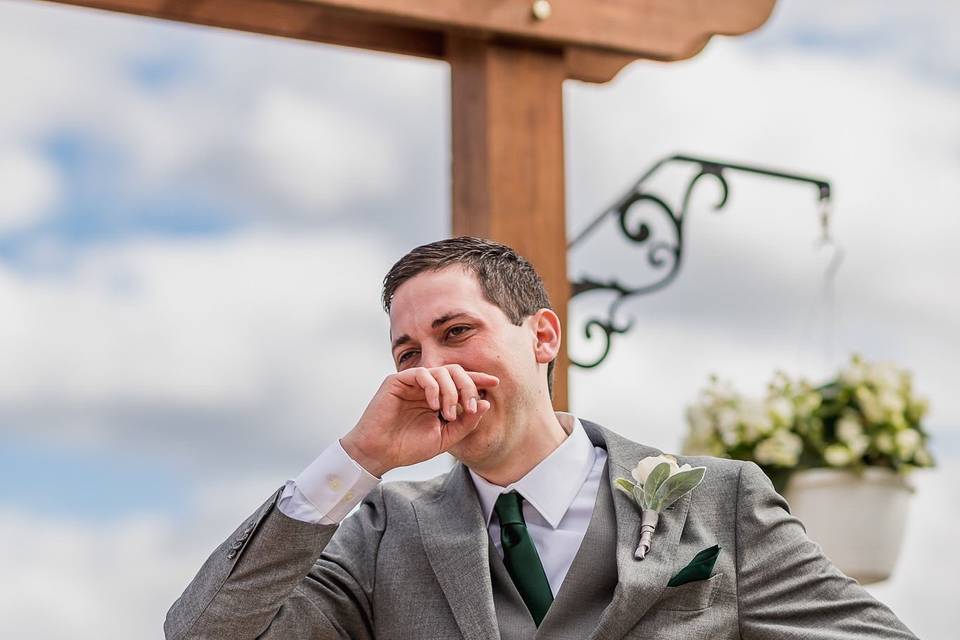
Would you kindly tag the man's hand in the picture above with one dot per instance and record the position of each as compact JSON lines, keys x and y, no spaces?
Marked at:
{"x":402,"y":425}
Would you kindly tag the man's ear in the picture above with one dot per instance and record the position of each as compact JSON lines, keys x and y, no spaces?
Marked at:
{"x":546,"y":327}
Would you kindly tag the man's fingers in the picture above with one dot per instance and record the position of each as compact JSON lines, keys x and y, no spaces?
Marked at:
{"x":431,"y":388}
{"x":445,"y":387}
{"x":449,"y":395}
{"x":483,"y":380}
{"x":468,"y":390}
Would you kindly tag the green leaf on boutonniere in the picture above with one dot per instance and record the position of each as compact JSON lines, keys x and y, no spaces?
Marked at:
{"x":656,"y":478}
{"x":625,"y":485}
{"x":677,"y":485}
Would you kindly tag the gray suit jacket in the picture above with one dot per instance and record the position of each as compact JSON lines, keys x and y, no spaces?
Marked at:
{"x":415,"y":561}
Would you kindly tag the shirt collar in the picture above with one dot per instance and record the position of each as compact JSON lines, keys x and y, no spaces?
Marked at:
{"x":551,"y":486}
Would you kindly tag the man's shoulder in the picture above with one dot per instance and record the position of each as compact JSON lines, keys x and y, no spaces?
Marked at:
{"x":626,"y":452}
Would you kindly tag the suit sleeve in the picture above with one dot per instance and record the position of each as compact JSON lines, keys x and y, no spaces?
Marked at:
{"x":278,"y":577}
{"x":786,"y":587}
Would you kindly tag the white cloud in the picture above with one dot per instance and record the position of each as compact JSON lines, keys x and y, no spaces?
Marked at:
{"x":281,"y":147}
{"x":242,"y":334}
{"x":320,"y":156}
{"x":917,"y":37}
{"x":112,"y":579}
{"x":30,"y":187}
{"x":103,"y":581}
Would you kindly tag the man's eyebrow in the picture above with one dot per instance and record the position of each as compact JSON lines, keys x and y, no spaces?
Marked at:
{"x":445,"y":318}
{"x":439,"y":322}
{"x":404,"y":339}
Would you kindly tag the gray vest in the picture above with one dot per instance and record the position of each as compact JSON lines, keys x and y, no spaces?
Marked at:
{"x":586,"y":591}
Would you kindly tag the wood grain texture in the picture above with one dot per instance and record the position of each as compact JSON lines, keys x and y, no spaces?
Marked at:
{"x":508,"y":169}
{"x":601,"y":36}
{"x":660,"y":29}
{"x":285,"y":18}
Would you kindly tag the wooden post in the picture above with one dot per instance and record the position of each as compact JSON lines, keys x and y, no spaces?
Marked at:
{"x":508,"y":170}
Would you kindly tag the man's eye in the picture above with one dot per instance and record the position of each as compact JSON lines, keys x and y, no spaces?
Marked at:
{"x":457,"y":330}
{"x":403,"y":356}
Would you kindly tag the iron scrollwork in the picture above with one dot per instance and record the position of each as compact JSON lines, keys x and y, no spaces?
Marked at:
{"x":661,"y":254}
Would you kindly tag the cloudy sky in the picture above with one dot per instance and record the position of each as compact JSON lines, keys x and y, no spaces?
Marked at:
{"x":194,"y":225}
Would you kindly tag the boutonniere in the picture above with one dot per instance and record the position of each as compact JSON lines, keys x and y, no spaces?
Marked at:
{"x":660,"y":483}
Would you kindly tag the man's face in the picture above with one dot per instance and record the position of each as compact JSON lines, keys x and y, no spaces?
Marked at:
{"x":441,"y":317}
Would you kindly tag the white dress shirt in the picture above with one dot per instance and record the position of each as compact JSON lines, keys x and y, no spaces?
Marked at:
{"x":559,"y":494}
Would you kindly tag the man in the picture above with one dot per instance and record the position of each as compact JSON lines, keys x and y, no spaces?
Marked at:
{"x":524,"y":537}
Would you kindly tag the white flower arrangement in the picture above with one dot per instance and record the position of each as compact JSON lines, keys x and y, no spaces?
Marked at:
{"x":660,"y":482}
{"x":867,"y":416}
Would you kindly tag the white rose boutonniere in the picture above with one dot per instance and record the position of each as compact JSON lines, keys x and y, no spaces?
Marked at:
{"x":660,"y":482}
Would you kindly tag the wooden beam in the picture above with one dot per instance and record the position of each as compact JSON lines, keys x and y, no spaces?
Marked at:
{"x":508,"y":170}
{"x":599,"y":37}
{"x":660,"y":29}
{"x":300,"y":20}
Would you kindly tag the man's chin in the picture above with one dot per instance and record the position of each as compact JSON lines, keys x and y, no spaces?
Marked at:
{"x":478,"y":445}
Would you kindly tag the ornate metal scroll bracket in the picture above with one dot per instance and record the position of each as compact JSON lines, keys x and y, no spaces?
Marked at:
{"x":664,"y":256}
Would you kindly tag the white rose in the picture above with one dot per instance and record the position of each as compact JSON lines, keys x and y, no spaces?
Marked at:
{"x":782,"y":410}
{"x":858,"y":445}
{"x":754,"y":419}
{"x":837,"y":455}
{"x":869,"y":405}
{"x":782,"y":449}
{"x":891,"y":401}
{"x":727,"y":420}
{"x":849,"y":429}
{"x":907,"y":442}
{"x":884,"y":442}
{"x":648,"y":464}
{"x":806,"y":404}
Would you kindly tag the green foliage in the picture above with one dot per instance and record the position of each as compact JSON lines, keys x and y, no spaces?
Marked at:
{"x":868,"y":415}
{"x":677,"y":485}
{"x":660,"y":473}
{"x":625,"y":485}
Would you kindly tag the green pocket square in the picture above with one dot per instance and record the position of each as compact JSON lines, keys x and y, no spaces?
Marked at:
{"x":698,"y":569}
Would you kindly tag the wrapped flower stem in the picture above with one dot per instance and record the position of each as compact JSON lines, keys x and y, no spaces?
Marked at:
{"x":648,"y":524}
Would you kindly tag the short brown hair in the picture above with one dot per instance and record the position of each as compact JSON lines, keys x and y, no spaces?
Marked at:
{"x":506,"y":278}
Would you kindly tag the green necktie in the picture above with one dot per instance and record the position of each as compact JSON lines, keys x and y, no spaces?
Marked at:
{"x":520,"y":556}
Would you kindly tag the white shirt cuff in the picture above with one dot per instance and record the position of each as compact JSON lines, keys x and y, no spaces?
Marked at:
{"x":327,"y":490}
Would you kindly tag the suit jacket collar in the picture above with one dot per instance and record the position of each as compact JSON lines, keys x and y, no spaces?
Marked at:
{"x":456,"y":542}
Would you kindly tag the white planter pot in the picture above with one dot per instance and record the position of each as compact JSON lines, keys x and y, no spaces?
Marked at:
{"x":858,"y":521}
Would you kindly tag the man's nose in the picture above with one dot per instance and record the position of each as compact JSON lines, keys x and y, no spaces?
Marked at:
{"x":432,"y":357}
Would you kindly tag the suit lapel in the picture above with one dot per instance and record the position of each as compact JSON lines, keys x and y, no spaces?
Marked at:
{"x":455,"y":539}
{"x":640,"y":582}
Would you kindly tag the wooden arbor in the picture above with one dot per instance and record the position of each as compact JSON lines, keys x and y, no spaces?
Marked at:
{"x":508,"y":60}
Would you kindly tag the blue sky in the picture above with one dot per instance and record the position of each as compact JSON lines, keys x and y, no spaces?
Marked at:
{"x":194,"y":224}
{"x":74,"y":483}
